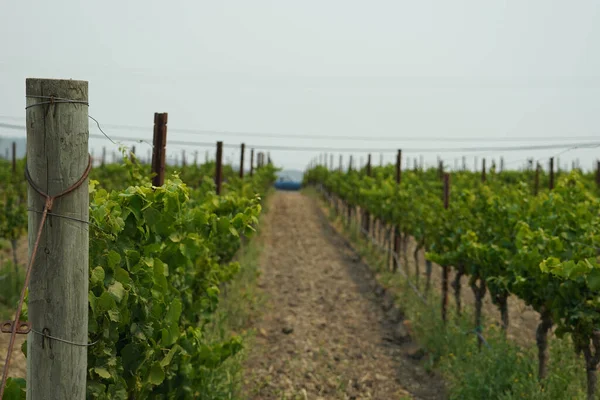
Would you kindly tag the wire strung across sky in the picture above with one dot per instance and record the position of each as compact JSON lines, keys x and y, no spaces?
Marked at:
{"x":369,"y":150}
{"x":396,"y":138}
{"x":565,"y":146}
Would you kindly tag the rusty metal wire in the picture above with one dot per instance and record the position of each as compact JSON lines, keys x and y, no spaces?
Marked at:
{"x":47,"y":207}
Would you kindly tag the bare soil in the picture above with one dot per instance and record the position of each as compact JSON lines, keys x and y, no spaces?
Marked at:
{"x":329,"y":331}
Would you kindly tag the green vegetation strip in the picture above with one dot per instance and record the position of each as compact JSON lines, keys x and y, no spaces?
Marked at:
{"x":502,"y":371}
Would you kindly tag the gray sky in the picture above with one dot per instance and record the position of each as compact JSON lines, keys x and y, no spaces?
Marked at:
{"x":409,"y":69}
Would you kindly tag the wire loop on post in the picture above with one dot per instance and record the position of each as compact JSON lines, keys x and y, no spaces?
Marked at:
{"x":49,"y":201}
{"x":54,"y":100}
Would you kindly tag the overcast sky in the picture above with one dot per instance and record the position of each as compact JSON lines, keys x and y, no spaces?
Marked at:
{"x":408,"y":69}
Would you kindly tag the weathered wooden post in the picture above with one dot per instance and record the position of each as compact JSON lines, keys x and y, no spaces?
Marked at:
{"x":14,"y":157}
{"x":219,"y":167}
{"x":483,"y":171}
{"x":598,"y":173}
{"x":132,"y":154}
{"x":251,"y":162}
{"x":397,"y":234}
{"x":58,"y":161}
{"x":159,"y":146}
{"x":242,"y":150}
{"x":536,"y":182}
{"x":445,"y":267}
{"x":399,"y":167}
{"x":183,"y":160}
{"x":551,"y":173}
{"x":103,"y":156}
{"x":366,"y":215}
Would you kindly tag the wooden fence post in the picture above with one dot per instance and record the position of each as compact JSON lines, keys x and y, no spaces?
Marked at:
{"x":366,"y":215}
{"x":103,"y":156}
{"x":183,"y":160}
{"x":14,"y":157}
{"x":196,"y":158}
{"x":399,"y":167}
{"x":242,"y":150}
{"x":341,"y":162}
{"x":445,"y":267}
{"x":598,"y":173}
{"x":251,"y":162}
{"x":219,"y":167}
{"x":536,"y":182}
{"x":397,"y":235}
{"x":551,"y":173}
{"x":57,"y":158}
{"x":159,"y":146}
{"x":132,"y":154}
{"x":483,"y":171}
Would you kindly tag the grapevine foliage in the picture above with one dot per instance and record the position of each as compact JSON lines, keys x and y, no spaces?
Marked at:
{"x":542,"y":248}
{"x":158,"y":258}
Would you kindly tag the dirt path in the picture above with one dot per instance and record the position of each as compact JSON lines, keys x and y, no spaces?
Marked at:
{"x":324,"y":333}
